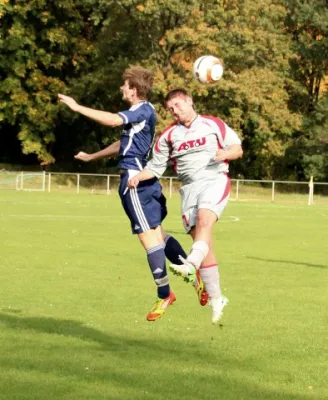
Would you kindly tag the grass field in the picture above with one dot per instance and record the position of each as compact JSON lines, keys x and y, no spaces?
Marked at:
{"x":75,"y":290}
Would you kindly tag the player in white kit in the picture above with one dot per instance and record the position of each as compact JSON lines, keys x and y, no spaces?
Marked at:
{"x":200,"y":148}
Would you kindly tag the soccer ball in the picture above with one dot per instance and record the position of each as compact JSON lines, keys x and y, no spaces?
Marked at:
{"x":207,"y":69}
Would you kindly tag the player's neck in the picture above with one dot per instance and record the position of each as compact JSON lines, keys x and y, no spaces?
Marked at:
{"x":187,"y":123}
{"x":135,"y":101}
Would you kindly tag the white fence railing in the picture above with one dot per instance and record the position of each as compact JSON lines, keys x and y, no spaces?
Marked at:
{"x":242,"y":189}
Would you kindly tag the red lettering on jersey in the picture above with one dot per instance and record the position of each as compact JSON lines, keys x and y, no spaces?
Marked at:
{"x":190,"y":144}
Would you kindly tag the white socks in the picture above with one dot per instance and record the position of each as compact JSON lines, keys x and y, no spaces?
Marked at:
{"x":211,"y":279}
{"x":198,"y":253}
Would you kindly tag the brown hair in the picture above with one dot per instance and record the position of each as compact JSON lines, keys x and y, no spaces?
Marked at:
{"x":176,"y":93}
{"x":140,"y":79}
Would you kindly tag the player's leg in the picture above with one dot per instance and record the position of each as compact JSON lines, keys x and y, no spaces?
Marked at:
{"x":145,"y":214}
{"x":211,"y":202}
{"x":199,"y":224}
{"x":206,"y":219}
{"x":154,"y":246}
{"x":209,"y":271}
{"x":175,"y":253}
{"x":173,"y":248}
{"x":209,"y":267}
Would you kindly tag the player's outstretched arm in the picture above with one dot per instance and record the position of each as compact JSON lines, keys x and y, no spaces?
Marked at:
{"x":103,"y":117}
{"x":110,"y":151}
{"x":144,"y":175}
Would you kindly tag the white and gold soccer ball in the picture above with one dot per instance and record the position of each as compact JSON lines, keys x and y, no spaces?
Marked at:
{"x":207,"y":69}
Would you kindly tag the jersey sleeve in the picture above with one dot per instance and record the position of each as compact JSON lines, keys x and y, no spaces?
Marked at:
{"x":231,"y":137}
{"x":161,"y":155}
{"x":225,"y":135}
{"x":135,"y":116}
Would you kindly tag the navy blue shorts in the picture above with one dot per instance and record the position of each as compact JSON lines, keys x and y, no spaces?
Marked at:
{"x":145,"y":205}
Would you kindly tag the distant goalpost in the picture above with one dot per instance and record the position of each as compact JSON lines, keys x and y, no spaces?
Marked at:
{"x":31,"y":181}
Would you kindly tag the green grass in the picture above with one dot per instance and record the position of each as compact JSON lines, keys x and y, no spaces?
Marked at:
{"x":75,"y":289}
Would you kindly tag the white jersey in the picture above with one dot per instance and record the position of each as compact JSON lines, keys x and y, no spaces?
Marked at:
{"x":192,"y":150}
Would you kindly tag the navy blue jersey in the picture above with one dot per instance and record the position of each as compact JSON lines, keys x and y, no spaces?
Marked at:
{"x":137,"y":136}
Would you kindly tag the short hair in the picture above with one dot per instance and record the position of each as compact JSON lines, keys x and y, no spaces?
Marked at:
{"x":176,"y":93}
{"x":140,"y":79}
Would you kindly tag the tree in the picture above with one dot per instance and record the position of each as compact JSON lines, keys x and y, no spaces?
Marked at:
{"x":251,"y":96}
{"x":307,"y":22}
{"x":42,"y":46}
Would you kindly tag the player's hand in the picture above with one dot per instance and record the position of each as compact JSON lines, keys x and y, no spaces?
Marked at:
{"x":133,"y":182}
{"x":69,"y":101}
{"x":83,"y":156}
{"x":220,"y":155}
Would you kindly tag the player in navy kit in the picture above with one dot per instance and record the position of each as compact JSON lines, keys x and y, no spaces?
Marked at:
{"x":146,"y":205}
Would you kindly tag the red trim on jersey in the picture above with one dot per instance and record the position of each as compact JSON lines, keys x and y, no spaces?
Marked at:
{"x":209,"y":266}
{"x":174,"y":161}
{"x":156,"y":147}
{"x":219,"y":144}
{"x":226,"y":190}
{"x":169,"y":140}
{"x":219,"y":123}
{"x":185,"y":220}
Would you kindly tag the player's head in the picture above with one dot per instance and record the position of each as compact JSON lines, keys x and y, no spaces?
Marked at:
{"x":138,"y":82}
{"x":180,"y":105}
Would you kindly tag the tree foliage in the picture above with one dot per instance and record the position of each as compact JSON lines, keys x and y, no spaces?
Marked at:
{"x":42,"y":45}
{"x":274,"y":54}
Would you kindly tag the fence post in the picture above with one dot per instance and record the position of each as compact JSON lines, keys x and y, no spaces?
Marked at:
{"x":49,"y":182}
{"x":78,"y":183}
{"x":237,"y":189}
{"x":311,"y":186}
{"x":273,"y":186}
{"x":108,"y":185}
{"x":44,"y":181}
{"x":17,"y":182}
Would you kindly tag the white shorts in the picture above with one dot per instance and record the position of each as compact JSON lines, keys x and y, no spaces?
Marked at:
{"x":212,"y":194}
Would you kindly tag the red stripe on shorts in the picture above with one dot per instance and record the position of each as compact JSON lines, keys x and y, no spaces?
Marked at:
{"x":226,"y":190}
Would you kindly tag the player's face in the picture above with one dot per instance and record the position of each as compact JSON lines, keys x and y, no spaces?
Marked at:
{"x":127,"y":93}
{"x":181,"y":109}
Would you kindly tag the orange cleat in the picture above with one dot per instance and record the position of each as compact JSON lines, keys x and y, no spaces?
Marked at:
{"x":200,"y":289}
{"x":160,"y":307}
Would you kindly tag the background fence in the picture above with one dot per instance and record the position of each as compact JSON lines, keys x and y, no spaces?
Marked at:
{"x":242,"y":189}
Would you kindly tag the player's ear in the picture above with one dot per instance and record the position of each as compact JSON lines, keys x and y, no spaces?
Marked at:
{"x":190,"y":101}
{"x":135,"y":91}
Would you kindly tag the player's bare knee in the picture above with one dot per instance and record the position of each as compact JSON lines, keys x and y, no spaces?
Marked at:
{"x":204,"y":223}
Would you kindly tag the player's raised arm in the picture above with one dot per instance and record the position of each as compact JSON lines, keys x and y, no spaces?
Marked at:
{"x":110,"y":151}
{"x":103,"y":117}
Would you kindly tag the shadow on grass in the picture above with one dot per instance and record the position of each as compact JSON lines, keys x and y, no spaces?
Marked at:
{"x":161,"y":368}
{"x":68,"y":328}
{"x":277,"y":261}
